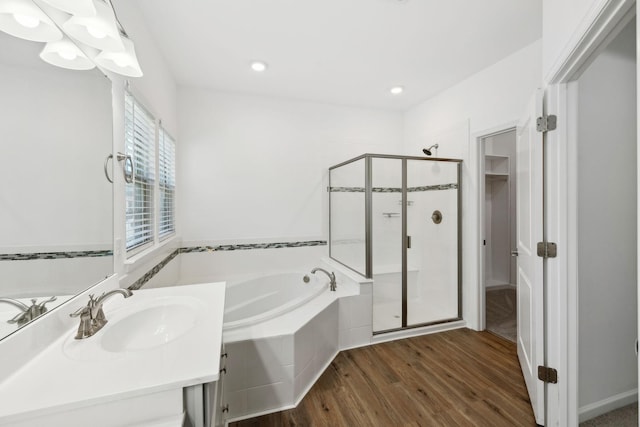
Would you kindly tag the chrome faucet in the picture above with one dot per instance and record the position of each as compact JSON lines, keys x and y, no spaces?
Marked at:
{"x":332,"y":277}
{"x":27,"y":313}
{"x":92,"y":317}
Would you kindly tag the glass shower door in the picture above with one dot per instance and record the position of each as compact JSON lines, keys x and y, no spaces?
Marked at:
{"x":386,"y":236}
{"x":347,"y":215}
{"x":433,"y":268}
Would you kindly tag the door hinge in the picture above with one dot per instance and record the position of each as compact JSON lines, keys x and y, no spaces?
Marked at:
{"x":547,"y":250}
{"x":546,"y":123}
{"x":547,"y":375}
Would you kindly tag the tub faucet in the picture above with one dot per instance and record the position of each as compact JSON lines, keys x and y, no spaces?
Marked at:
{"x":332,"y":277}
{"x":92,"y":317}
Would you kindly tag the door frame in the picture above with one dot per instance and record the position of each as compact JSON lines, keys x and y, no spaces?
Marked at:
{"x":479,"y":151}
{"x":603,"y":23}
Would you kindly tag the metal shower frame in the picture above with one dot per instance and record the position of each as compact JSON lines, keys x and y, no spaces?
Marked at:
{"x":368,"y":273}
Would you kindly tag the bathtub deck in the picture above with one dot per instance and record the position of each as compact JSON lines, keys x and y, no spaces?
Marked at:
{"x":454,"y":378}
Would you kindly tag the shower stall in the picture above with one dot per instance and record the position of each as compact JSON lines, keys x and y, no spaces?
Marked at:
{"x":397,"y":220}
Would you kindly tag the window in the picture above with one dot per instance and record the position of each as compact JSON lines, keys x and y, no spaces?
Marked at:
{"x":140,"y":145}
{"x":166,"y":184}
{"x":150,"y":198}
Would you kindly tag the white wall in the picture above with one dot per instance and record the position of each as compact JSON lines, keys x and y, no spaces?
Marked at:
{"x":492,"y":99}
{"x":607,"y":193}
{"x":254,"y":168}
{"x":562,"y":21}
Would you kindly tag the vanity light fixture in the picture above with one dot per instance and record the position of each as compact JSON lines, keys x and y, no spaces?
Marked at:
{"x":95,"y":25}
{"x":396,"y":90}
{"x":99,"y":31}
{"x":23,"y":19}
{"x":74,"y":7}
{"x":64,"y":53}
{"x":122,"y":62}
{"x":259,"y":66}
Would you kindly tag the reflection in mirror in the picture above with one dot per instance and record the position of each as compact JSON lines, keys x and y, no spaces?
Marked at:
{"x":55,"y":202}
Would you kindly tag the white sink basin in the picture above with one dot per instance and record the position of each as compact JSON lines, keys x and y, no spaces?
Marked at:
{"x":138,"y":326}
{"x":148,"y":328}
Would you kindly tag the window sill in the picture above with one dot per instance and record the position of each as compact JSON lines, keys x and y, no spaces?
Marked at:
{"x":147,"y":255}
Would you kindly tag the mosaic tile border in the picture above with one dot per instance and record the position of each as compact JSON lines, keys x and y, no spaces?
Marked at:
{"x":438,"y":187}
{"x":248,"y":246}
{"x":54,"y":255}
{"x":155,"y":270}
{"x":219,"y":248}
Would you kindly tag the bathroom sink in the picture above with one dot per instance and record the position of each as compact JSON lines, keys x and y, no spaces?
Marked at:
{"x":141,"y":326}
{"x":149,"y":327}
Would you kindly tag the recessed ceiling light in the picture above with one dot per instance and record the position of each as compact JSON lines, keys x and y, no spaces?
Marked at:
{"x":396,"y":90}
{"x":258,"y":66}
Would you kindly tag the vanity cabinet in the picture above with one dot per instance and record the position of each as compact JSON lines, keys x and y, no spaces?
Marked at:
{"x":203,"y":403}
{"x":97,"y":383}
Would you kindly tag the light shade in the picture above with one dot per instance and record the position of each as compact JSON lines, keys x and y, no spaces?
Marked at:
{"x":64,"y":53}
{"x":23,"y":19}
{"x":97,"y":31}
{"x":122,"y":62}
{"x":74,"y":7}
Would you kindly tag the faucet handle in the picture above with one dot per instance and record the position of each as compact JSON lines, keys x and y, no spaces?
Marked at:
{"x":45,"y":302}
{"x":85,"y":330}
{"x":19,"y":318}
{"x":81,"y":311}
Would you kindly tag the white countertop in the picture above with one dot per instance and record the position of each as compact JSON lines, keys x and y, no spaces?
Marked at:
{"x":73,"y":373}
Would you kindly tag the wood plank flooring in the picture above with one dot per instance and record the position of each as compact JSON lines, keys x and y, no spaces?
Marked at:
{"x":454,"y":378}
{"x":501,"y":312}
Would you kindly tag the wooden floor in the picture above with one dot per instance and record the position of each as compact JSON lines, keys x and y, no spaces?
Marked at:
{"x":454,"y":378}
{"x":501,"y":313}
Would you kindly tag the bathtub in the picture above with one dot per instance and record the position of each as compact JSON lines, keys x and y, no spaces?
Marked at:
{"x":281,"y":333}
{"x":257,"y":300}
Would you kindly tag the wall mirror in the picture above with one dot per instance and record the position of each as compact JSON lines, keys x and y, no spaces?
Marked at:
{"x":56,"y":225}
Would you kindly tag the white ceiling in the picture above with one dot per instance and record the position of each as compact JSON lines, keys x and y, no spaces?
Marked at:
{"x":348,"y":52}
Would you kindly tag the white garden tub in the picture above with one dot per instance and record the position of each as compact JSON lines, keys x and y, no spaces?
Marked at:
{"x":253,"y":301}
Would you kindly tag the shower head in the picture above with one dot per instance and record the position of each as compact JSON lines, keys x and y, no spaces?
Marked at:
{"x":427,"y":151}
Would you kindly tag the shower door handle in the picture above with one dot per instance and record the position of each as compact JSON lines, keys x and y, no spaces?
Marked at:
{"x":408,"y":242}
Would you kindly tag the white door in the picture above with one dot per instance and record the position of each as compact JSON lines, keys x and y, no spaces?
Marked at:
{"x":529,"y":231}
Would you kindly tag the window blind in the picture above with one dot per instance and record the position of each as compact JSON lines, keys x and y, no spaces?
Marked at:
{"x":166,"y":184}
{"x":140,"y":145}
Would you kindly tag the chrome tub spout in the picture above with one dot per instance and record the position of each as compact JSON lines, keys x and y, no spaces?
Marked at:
{"x":332,"y":277}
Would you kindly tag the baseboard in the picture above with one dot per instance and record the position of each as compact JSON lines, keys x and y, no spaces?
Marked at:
{"x":609,"y":404}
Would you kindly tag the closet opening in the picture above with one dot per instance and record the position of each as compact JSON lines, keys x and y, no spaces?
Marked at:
{"x":499,"y":241}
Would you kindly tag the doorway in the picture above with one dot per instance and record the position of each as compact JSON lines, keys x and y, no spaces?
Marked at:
{"x":604,"y":149}
{"x":499,"y":233}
